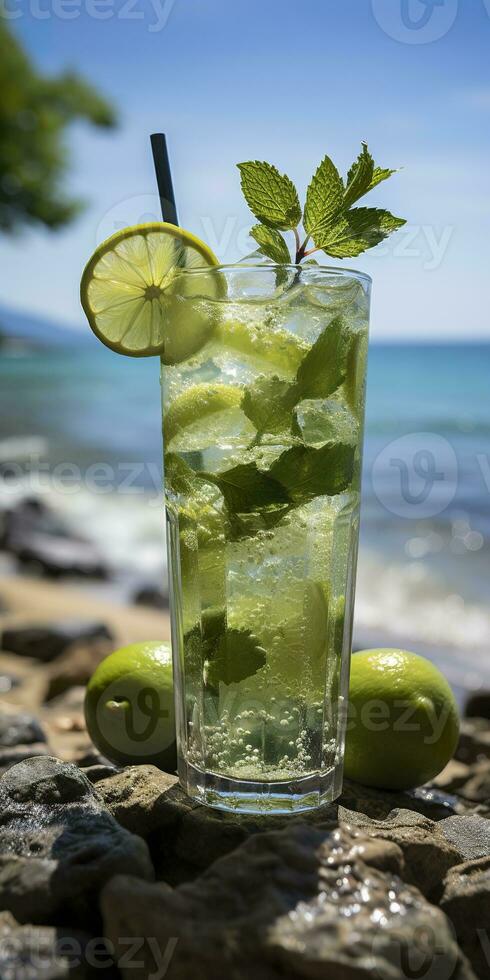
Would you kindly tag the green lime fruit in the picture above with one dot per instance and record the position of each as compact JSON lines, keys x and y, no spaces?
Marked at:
{"x":129,"y":706}
{"x":403,"y":722}
{"x":136,"y":300}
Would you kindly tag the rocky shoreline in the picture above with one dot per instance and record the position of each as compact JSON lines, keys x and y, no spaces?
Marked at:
{"x":115,"y":870}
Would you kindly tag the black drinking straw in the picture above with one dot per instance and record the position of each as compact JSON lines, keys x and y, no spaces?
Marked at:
{"x":164,"y":177}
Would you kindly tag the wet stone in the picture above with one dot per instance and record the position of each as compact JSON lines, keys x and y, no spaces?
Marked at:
{"x":466,"y":901}
{"x":470,"y":835}
{"x":59,"y":844}
{"x":30,"y":952}
{"x":301,"y":902}
{"x":428,"y":853}
{"x":380,"y":803}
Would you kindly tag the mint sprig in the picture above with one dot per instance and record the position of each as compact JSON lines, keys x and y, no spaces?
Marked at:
{"x":330,"y":221}
{"x":218,"y":653}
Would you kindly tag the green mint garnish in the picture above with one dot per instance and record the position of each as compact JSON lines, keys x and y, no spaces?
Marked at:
{"x":363,"y":176}
{"x":324,"y":199}
{"x":271,"y":243}
{"x":271,"y":196}
{"x":330,"y":221}
{"x":357,"y":230}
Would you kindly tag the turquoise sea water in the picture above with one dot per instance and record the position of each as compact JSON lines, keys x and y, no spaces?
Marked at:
{"x":425,"y":541}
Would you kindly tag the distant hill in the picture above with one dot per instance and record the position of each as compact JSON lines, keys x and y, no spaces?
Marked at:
{"x":37,"y":330}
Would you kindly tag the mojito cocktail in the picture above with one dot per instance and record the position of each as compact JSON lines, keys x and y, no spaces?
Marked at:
{"x":262,"y":435}
{"x":263,"y":375}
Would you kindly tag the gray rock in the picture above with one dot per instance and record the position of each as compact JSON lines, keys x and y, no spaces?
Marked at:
{"x":471,"y":781}
{"x":39,"y":538}
{"x":478,"y":705}
{"x":295,"y":903}
{"x":75,"y":666}
{"x":466,"y":900}
{"x":21,"y":736}
{"x":474,"y":740}
{"x":428,"y":853}
{"x":45,"y":641}
{"x":96,"y":771}
{"x":59,"y":844}
{"x":19,"y":729}
{"x":187,"y":838}
{"x":453,"y":777}
{"x":149,"y":595}
{"x":470,"y":835}
{"x":137,"y":798}
{"x":476,"y":789}
{"x":10,"y":757}
{"x":380,"y":803}
{"x":45,"y":953}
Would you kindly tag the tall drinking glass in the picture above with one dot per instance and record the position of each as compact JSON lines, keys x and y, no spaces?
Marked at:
{"x":263,"y":427}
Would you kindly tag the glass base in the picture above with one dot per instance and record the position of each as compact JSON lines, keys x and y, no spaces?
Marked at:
{"x":245,"y":796}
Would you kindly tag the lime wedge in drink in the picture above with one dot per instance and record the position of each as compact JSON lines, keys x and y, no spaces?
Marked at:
{"x":263,"y":346}
{"x":198,"y":403}
{"x":133,"y":293}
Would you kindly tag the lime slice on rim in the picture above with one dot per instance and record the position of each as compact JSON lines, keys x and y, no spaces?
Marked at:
{"x":135,"y":297}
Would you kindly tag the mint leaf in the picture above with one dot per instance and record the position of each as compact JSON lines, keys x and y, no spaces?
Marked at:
{"x":214,"y":652}
{"x":379,"y":175}
{"x":323,"y":368}
{"x":178,"y":475}
{"x":306,"y":472}
{"x":246,"y":488}
{"x":268,"y":402}
{"x":235,"y":656}
{"x":271,"y":243}
{"x":271,"y":196}
{"x":358,"y":230}
{"x":359,"y":177}
{"x":363,"y":176}
{"x":324,"y":199}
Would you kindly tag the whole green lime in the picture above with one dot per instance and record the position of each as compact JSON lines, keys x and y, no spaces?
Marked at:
{"x":129,"y":706}
{"x":403,"y":722}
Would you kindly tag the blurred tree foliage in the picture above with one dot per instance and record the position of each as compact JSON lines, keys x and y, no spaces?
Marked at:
{"x":34,"y":112}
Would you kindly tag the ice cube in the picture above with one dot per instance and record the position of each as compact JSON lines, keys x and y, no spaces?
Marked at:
{"x":320,"y":420}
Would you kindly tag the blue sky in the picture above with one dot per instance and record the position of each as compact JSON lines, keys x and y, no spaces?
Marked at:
{"x":285,"y":82}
